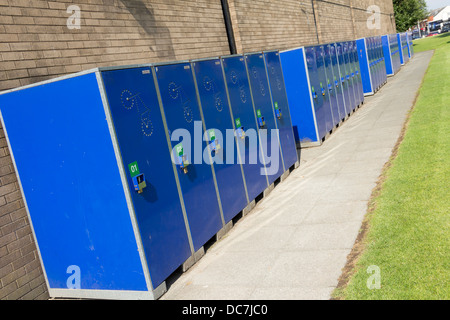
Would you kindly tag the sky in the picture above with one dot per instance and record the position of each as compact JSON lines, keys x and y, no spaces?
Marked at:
{"x":435,"y":4}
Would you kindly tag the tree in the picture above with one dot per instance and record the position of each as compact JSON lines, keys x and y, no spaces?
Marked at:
{"x":408,"y":12}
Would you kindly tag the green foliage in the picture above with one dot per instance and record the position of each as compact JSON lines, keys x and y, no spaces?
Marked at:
{"x":408,"y":12}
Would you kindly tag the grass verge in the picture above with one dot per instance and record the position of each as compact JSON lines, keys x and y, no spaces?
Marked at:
{"x":406,"y":232}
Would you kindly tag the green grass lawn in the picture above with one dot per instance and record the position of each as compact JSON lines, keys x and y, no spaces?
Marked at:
{"x":408,"y":235}
{"x":431,"y":43}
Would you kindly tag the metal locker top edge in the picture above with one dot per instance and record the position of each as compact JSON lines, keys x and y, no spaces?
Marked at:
{"x":292,"y":49}
{"x":205,"y":59}
{"x":67,"y":76}
{"x":231,"y":55}
{"x":167,"y":63}
{"x":76,"y":74}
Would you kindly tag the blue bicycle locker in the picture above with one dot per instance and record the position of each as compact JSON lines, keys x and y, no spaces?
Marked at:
{"x":281,"y":108}
{"x":94,"y":165}
{"x":244,"y":124}
{"x":220,"y":136}
{"x":264,"y":112}
{"x":185,"y":129}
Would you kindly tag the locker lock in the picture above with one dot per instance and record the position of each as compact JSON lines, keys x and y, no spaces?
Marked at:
{"x":138,"y":178}
{"x":330,"y":87}
{"x":139,"y":183}
{"x":278,"y":112}
{"x":214,"y":142}
{"x":183,"y":162}
{"x":240,"y":129}
{"x":314,"y":94}
{"x":336,"y":83}
{"x":261,"y":122}
{"x":322,"y":89}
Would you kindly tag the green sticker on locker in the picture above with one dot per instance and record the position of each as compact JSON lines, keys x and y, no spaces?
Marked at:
{"x":276,"y":104}
{"x":134,"y":169}
{"x":179,"y":149}
{"x":258,"y":112}
{"x":238,"y":122}
{"x":212,"y":135}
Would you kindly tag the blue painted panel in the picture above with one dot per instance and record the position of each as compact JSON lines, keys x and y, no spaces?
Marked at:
{"x":217,"y":117}
{"x":322,"y":77}
{"x":242,"y":109}
{"x":387,"y":55}
{"x":332,"y":93}
{"x":410,"y":45}
{"x":374,"y":73}
{"x":357,"y":73}
{"x":299,"y":97}
{"x":342,"y":72}
{"x":142,"y":138}
{"x":364,"y":65}
{"x":262,"y":102}
{"x":64,"y":154}
{"x":179,"y":99}
{"x":395,"y":52}
{"x":280,"y":101}
{"x":318,"y":92}
{"x":371,"y":57}
{"x":351,"y":85}
{"x":400,"y":47}
{"x":380,"y":60}
{"x":337,"y":81}
{"x":404,"y":41}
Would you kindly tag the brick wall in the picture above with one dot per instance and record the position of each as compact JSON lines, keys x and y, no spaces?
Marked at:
{"x":36,"y":44}
{"x":280,"y":24}
{"x":21,"y":274}
{"x":271,"y":24}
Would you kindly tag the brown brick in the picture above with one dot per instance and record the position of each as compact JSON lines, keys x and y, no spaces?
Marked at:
{"x":16,"y":195}
{"x":9,"y":208}
{"x":13,"y":276}
{"x":23,"y":260}
{"x":9,"y":289}
{"x":9,"y":258}
{"x":19,"y":243}
{"x":7,"y":238}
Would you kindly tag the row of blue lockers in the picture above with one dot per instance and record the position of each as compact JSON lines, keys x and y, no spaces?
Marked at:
{"x":108,"y":159}
{"x":326,"y":83}
{"x":128,"y":172}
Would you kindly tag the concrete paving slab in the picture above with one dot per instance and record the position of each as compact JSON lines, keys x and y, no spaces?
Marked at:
{"x":314,"y":269}
{"x":295,"y":242}
{"x":337,"y":212}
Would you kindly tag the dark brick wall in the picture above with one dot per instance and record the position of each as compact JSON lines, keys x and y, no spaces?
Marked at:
{"x":21,"y":274}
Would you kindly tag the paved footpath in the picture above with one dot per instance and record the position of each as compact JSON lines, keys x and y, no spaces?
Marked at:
{"x":294,"y":243}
